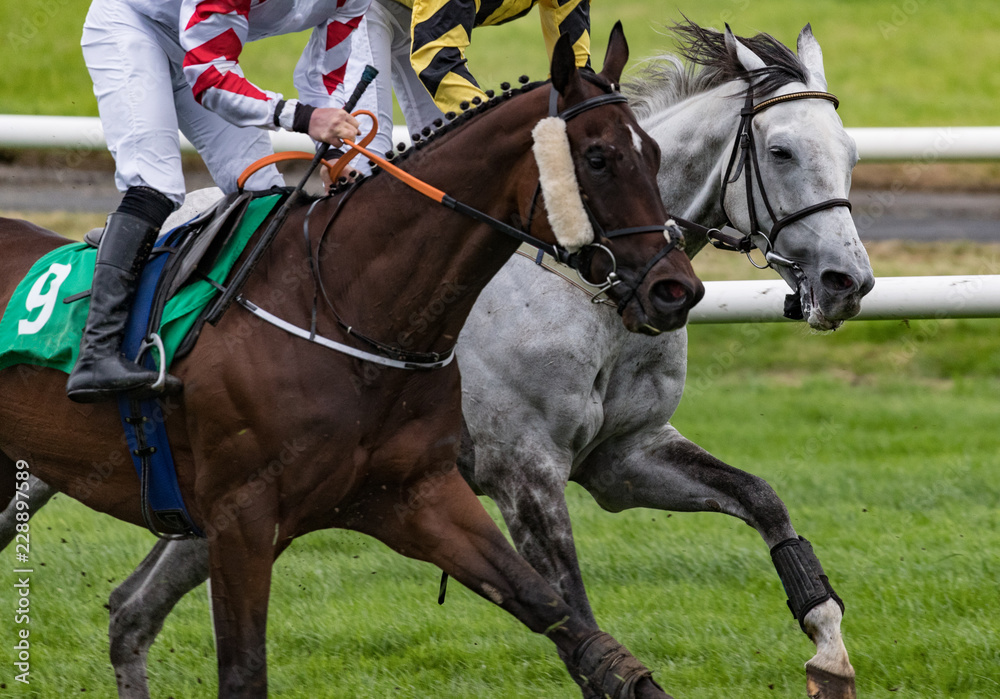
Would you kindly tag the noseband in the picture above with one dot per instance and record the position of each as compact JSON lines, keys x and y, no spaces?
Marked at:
{"x":746,"y":148}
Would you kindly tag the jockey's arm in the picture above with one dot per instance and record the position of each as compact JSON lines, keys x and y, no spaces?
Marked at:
{"x":213,"y":33}
{"x":319,"y":74}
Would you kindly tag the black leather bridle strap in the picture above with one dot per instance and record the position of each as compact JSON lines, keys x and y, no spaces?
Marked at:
{"x":632,"y":288}
{"x":745,"y":148}
{"x":634,"y":230}
{"x":580,"y":107}
{"x":554,"y":250}
{"x":806,"y":94}
{"x":802,"y":213}
{"x":723,"y":241}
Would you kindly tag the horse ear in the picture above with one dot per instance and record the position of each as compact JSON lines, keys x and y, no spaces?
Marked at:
{"x":563,"y":64}
{"x":811,"y":56}
{"x":747,"y":58}
{"x":616,"y":56}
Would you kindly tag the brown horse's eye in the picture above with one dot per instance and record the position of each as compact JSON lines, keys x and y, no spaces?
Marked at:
{"x":596,"y":161}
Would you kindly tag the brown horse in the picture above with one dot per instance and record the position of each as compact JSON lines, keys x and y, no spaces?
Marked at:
{"x":276,"y":436}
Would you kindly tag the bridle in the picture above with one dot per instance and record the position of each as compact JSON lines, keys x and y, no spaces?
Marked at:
{"x":583,"y":259}
{"x":749,"y":166}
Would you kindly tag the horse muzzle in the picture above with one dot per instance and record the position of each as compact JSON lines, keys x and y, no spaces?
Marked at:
{"x":827,"y":301}
{"x":663,"y":307}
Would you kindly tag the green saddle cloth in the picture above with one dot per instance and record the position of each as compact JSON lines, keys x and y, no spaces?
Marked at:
{"x":38,"y":328}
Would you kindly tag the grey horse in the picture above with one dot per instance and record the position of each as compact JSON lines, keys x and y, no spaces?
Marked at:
{"x":601,"y":417}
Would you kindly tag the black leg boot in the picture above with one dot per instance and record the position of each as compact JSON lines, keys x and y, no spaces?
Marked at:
{"x":102,"y":372}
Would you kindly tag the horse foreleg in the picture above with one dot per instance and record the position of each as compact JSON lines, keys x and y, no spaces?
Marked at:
{"x":665,"y":471}
{"x":532,"y":501}
{"x":38,"y":493}
{"x":447,"y":526}
{"x":241,"y":556}
{"x":140,"y":605}
{"x":529,"y":488}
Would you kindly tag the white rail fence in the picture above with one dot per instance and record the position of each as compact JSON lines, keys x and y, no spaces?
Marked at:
{"x":724,"y":302}
{"x":892,"y":298}
{"x":86,"y":133}
{"x":923,"y":144}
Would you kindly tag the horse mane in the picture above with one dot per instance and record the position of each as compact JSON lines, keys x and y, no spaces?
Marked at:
{"x":453,"y":120}
{"x":666,"y":80}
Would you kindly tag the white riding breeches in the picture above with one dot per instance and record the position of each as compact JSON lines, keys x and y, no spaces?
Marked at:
{"x":383,"y":40}
{"x":143,"y":98}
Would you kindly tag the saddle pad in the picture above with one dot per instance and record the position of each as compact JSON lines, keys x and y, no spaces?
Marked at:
{"x":38,"y":328}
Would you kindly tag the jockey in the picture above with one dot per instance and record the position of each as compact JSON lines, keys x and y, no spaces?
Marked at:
{"x":162,"y":64}
{"x":421,"y":44}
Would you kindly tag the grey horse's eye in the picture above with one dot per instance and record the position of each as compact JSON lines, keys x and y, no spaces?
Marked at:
{"x":780,"y":153}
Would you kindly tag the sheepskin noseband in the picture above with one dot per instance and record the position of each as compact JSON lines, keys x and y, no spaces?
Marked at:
{"x":557,"y":176}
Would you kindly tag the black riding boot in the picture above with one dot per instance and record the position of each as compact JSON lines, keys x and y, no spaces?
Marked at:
{"x":101,"y":371}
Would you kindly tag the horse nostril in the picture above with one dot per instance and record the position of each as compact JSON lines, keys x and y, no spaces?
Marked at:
{"x":669,"y":290}
{"x":837,"y":281}
{"x":669,"y":294}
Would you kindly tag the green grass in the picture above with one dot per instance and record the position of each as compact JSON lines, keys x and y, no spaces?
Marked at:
{"x":889,"y":467}
{"x":881,"y":438}
{"x":893,"y":63}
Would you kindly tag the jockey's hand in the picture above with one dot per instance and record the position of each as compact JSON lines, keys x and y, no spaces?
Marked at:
{"x":346,"y":175}
{"x":330,"y":125}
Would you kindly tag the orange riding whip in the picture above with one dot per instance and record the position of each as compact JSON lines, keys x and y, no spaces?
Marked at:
{"x":244,"y":272}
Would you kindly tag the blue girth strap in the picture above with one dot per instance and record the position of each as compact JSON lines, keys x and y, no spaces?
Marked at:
{"x":144,"y":423}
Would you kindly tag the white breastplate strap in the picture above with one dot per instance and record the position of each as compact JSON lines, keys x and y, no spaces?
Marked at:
{"x":338,"y":347}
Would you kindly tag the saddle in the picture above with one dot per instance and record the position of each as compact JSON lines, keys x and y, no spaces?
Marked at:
{"x":192,"y":249}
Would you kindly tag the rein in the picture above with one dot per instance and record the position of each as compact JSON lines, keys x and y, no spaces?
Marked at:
{"x":397,"y":357}
{"x":749,"y":166}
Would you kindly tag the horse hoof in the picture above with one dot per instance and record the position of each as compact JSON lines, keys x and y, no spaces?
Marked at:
{"x":821,"y":684}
